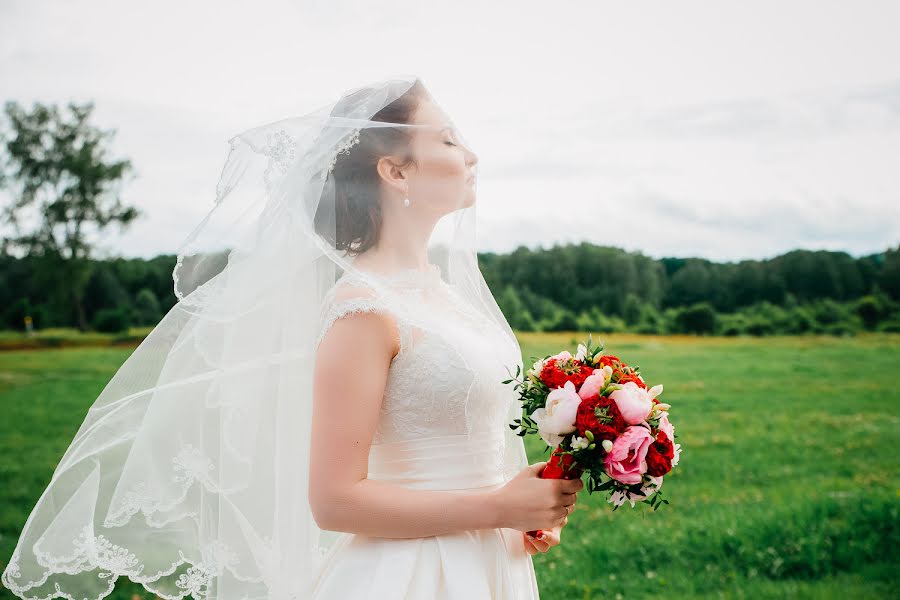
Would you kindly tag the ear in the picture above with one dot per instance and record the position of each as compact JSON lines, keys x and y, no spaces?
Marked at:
{"x":390,"y":172}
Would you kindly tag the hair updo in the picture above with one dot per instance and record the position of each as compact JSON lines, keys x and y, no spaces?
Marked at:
{"x":355,"y":223}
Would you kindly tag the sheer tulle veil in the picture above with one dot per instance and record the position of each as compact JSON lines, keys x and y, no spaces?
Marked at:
{"x":190,"y":471}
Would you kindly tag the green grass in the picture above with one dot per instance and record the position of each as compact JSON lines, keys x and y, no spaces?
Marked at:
{"x":66,"y":337}
{"x":787,"y":486}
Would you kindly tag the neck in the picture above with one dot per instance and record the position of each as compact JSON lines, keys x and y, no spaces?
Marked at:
{"x":402,"y":242}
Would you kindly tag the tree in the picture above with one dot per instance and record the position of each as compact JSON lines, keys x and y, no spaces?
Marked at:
{"x":63,"y":187}
{"x":698,"y":318}
{"x":890,"y":275}
{"x":147,"y":311}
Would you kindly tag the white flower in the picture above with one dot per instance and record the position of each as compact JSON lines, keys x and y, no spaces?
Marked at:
{"x":579,"y":443}
{"x":651,"y":486}
{"x":557,"y":417}
{"x":535,"y":371}
{"x":581,"y":353}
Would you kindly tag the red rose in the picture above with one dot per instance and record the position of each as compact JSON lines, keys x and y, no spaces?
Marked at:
{"x":659,"y":455}
{"x":560,"y":466}
{"x":618,"y":423}
{"x":586,"y":419}
{"x":556,"y":373}
{"x":608,"y":359}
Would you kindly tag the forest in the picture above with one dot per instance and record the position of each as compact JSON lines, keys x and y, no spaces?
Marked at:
{"x":574,"y":287}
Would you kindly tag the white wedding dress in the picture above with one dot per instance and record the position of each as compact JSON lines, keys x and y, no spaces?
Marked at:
{"x":445,"y":375}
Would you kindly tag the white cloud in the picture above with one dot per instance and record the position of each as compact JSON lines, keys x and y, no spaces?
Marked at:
{"x":725,"y":130}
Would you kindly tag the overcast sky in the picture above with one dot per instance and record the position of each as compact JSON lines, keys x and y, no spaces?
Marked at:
{"x":726,"y":130}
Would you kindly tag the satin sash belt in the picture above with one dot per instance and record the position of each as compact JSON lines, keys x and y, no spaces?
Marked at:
{"x":449,"y":462}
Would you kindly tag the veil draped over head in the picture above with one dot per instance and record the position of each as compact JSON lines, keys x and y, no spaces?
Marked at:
{"x":190,"y":471}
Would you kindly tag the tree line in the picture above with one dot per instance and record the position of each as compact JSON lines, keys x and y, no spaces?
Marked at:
{"x":601,"y":288}
{"x":567,"y":287}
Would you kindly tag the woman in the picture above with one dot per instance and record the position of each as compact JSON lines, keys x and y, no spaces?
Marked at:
{"x":412,"y":379}
{"x":321,"y":413}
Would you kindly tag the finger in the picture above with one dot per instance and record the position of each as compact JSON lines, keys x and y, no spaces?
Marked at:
{"x":536,"y":467}
{"x":542,"y":545}
{"x":572,"y":486}
{"x":552,"y":537}
{"x":568,"y":499}
{"x":530,"y":547}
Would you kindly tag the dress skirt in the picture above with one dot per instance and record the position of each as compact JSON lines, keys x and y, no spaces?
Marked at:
{"x":481,"y":564}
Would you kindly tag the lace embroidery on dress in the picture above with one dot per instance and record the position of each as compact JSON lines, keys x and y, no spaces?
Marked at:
{"x":352,"y":306}
{"x":444,"y":380}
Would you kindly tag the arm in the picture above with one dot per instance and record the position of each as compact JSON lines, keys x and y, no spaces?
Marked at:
{"x":349,"y":382}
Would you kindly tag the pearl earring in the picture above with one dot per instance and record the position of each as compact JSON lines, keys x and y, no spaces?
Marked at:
{"x":406,"y":202}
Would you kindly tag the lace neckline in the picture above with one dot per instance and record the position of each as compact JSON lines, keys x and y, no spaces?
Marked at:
{"x":409,"y":277}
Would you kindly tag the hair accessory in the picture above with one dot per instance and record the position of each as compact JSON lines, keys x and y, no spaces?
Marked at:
{"x":344,"y":148}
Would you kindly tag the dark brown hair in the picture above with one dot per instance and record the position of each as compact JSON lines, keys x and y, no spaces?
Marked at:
{"x":354,"y":222}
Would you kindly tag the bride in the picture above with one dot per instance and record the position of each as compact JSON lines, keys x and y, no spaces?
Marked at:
{"x":321,"y":414}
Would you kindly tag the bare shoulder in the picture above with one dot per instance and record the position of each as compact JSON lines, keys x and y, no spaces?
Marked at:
{"x":355,"y":317}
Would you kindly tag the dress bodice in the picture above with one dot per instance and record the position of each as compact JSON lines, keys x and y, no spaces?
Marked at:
{"x":444,"y":401}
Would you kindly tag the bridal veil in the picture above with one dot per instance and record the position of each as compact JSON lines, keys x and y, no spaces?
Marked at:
{"x":190,"y":471}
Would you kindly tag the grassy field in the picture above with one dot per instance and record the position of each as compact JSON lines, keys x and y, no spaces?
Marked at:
{"x":787,"y":486}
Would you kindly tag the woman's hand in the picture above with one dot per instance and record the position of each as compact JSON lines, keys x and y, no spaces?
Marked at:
{"x":527,"y":502}
{"x":551,"y":538}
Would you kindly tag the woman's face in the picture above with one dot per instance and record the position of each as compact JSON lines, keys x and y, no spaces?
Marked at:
{"x":445,"y":177}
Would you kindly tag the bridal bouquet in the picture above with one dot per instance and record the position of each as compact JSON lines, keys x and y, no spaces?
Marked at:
{"x":598,"y":415}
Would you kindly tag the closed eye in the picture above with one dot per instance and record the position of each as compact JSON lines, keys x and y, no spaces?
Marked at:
{"x":450,"y":143}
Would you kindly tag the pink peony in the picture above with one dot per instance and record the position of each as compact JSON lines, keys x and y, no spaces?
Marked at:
{"x":633,"y":401}
{"x":626,"y":462}
{"x":594,"y":383}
